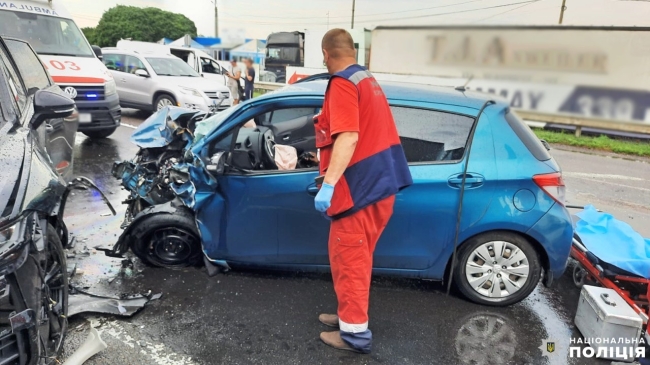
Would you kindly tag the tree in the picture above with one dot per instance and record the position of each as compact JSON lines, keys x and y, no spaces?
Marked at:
{"x":142,"y":24}
{"x":89,"y":32}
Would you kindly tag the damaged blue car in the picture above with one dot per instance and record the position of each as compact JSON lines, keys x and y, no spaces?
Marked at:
{"x":212,"y":188}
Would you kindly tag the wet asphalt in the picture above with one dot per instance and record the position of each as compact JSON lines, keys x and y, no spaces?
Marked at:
{"x":261,"y":317}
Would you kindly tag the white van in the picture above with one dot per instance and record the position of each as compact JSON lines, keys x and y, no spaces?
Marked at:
{"x":200,"y":61}
{"x":74,"y":65}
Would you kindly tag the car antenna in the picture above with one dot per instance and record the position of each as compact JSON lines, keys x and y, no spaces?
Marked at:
{"x":464,"y":87}
{"x":470,"y":141}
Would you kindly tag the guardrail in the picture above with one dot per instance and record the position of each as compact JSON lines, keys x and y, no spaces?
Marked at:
{"x":566,"y":119}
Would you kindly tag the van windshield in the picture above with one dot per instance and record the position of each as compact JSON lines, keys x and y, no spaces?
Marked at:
{"x":171,"y":67}
{"x":47,"y":34}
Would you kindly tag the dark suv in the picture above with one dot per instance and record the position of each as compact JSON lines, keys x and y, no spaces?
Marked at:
{"x":37,"y":129}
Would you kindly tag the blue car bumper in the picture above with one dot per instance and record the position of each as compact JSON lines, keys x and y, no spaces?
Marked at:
{"x":554,"y":231}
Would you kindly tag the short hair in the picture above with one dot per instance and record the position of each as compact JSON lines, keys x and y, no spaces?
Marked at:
{"x":338,"y":43}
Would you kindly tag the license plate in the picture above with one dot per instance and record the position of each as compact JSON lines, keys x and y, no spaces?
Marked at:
{"x":85,"y":118}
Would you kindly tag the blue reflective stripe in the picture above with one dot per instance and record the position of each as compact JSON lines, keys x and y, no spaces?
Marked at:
{"x":377,"y":177}
{"x":361,"y":341}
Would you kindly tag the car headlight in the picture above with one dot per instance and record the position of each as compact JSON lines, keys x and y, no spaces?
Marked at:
{"x":8,"y":234}
{"x":13,"y":250}
{"x":189,"y":91}
{"x":109,"y":88}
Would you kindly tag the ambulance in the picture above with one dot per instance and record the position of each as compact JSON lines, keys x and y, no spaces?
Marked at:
{"x":71,"y":61}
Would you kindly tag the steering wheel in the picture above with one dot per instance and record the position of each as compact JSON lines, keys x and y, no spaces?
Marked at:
{"x":269,"y":149}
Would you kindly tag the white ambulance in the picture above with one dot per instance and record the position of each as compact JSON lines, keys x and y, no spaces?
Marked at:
{"x":74,"y":65}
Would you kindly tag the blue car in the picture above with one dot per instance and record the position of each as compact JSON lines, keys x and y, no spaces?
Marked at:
{"x":210,"y":189}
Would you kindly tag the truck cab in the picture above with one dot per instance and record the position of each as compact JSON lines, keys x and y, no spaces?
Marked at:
{"x":284,"y":49}
{"x":73,"y":64}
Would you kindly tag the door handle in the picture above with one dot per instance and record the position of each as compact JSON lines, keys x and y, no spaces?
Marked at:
{"x":312,"y":190}
{"x":49,"y":128}
{"x":123,"y":80}
{"x":286,"y":138}
{"x":471,"y":180}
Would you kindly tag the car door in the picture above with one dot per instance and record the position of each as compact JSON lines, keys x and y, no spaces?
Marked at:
{"x":212,"y":71}
{"x":58,"y":135}
{"x":139,"y":87}
{"x":293,"y":127}
{"x":269,"y":215}
{"x":421,"y":232}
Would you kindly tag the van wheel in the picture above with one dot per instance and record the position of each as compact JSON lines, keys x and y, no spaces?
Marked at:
{"x":168,"y":240}
{"x":497,"y":269}
{"x":100,"y":133}
{"x":163,"y":101}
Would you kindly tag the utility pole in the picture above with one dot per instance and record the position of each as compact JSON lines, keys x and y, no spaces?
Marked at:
{"x":562,"y":9}
{"x":216,"y":20}
{"x":352,"y":27}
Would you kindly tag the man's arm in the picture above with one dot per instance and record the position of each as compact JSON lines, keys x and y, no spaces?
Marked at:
{"x":344,"y":146}
{"x":344,"y":126}
{"x":248,"y":77}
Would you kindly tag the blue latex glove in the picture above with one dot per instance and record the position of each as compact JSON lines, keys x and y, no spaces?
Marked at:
{"x":323,"y":199}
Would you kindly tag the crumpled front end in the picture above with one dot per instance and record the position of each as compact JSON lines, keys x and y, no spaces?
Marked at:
{"x":164,"y":173}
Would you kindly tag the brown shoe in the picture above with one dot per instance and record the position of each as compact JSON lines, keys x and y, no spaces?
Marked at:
{"x":333,"y":339}
{"x":330,"y":320}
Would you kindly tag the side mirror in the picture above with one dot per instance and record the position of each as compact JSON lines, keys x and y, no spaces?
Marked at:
{"x":50,"y":105}
{"x":217,"y":164}
{"x":98,"y":52}
{"x":141,"y":73}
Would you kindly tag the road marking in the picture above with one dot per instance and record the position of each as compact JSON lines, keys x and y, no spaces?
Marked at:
{"x":588,"y":175}
{"x":128,"y":126}
{"x":158,"y":352}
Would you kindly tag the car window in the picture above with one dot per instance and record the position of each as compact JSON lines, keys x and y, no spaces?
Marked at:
{"x":132,"y":64}
{"x":527,"y":136}
{"x":16,"y":88}
{"x":7,"y":99}
{"x":209,"y":66}
{"x":114,"y":62}
{"x":432,"y":136}
{"x":30,"y":67}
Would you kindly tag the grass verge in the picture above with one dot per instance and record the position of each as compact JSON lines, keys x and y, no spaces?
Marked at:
{"x":602,"y":143}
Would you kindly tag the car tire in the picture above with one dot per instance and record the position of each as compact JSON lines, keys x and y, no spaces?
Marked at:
{"x":162,"y":101}
{"x":506,"y":249}
{"x":167,"y":240}
{"x":100,"y":133}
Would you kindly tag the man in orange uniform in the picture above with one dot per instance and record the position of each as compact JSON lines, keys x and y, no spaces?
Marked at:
{"x":364,"y":166}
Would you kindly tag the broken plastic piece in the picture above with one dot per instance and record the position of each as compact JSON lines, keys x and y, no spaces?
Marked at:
{"x":90,"y":347}
{"x":89,"y":303}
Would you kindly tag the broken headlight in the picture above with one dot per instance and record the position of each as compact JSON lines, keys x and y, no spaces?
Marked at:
{"x":13,"y":247}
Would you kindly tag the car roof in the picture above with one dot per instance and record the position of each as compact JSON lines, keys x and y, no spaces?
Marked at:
{"x":401,"y":91}
{"x":136,"y":53}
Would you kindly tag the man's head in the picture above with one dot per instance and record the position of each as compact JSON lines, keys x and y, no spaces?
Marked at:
{"x":338,"y":50}
{"x":233,"y":62}
{"x":248,"y":62}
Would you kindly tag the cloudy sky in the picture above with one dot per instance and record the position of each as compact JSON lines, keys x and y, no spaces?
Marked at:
{"x":258,"y":18}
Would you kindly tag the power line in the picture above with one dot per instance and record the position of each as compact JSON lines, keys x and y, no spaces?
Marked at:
{"x":393,"y":19}
{"x":507,"y":11}
{"x":364,"y":15}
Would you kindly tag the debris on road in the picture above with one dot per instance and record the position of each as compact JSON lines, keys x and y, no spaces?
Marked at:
{"x":90,"y":347}
{"x":84,"y":302}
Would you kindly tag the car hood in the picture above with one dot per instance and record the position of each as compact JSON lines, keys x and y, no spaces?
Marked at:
{"x":198,"y":83}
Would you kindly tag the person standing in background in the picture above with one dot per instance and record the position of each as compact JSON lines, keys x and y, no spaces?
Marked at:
{"x":249,"y":79}
{"x":233,"y":81}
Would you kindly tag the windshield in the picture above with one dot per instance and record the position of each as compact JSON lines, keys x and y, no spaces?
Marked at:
{"x":205,"y":127}
{"x":47,"y":34}
{"x":288,"y":54}
{"x":171,"y":67}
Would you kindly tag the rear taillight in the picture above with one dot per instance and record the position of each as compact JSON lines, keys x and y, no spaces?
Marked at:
{"x":553,"y":185}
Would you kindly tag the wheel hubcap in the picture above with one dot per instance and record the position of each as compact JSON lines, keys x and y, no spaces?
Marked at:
{"x":172,"y":245}
{"x":164,"y":102}
{"x":497,"y":269}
